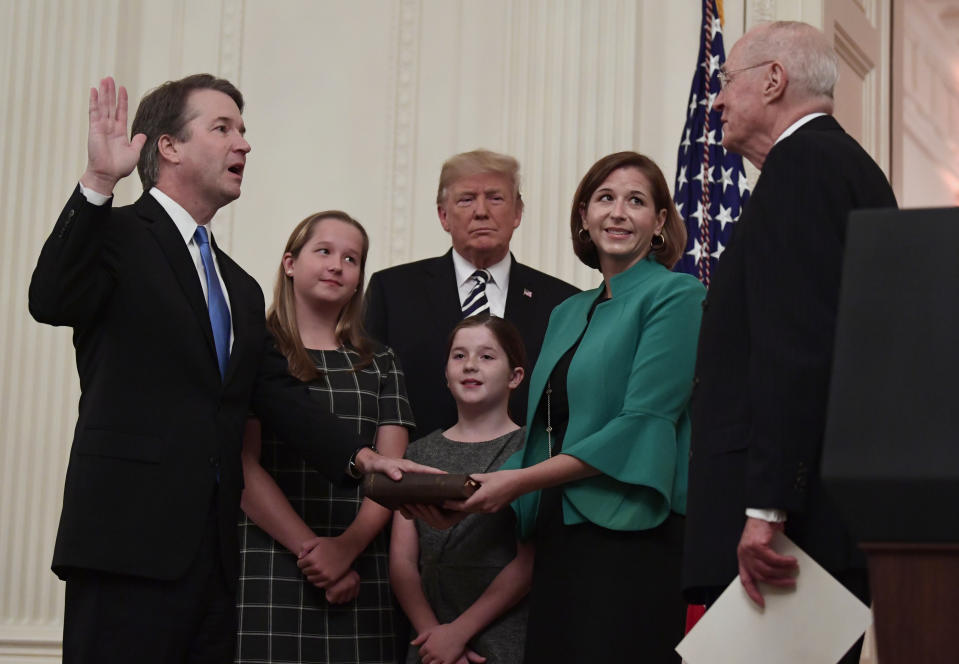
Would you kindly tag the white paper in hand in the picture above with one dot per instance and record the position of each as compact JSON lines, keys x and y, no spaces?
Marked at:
{"x":815,"y":622}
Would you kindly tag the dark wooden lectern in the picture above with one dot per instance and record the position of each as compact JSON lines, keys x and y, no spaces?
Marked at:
{"x":891,"y":452}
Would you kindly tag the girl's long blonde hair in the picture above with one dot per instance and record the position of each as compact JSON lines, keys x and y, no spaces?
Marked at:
{"x":281,"y":316}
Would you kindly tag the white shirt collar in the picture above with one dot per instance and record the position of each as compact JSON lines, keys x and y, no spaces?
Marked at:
{"x":498,"y":271}
{"x":791,"y":129}
{"x":182,"y":219}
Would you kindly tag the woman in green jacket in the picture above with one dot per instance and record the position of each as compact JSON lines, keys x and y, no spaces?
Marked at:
{"x":600,"y":486}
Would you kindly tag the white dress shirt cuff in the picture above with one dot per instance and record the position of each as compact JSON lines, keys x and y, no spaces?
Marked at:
{"x":773,"y":515}
{"x":93,"y":197}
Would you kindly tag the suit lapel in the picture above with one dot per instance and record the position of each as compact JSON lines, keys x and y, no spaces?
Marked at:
{"x":179,"y":259}
{"x":521,"y":306}
{"x":442,"y":293}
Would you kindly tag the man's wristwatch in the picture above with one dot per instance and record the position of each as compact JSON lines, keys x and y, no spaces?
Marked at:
{"x":351,"y":468}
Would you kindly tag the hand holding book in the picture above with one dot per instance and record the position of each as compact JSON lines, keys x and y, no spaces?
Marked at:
{"x":418,"y":489}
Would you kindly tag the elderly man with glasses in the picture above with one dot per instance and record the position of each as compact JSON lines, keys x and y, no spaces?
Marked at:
{"x":765,"y":347}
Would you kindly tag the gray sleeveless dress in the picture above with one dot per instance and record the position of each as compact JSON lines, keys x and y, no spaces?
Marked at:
{"x":457,"y":565}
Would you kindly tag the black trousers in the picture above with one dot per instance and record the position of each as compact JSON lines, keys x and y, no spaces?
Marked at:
{"x":118,"y":619}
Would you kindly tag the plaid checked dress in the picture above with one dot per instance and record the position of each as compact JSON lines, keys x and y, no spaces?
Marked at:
{"x":281,"y":616}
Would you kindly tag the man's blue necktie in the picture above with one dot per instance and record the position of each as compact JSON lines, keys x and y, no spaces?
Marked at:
{"x":219,"y":312}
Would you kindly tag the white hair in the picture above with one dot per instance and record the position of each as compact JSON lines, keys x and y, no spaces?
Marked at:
{"x":806,"y":55}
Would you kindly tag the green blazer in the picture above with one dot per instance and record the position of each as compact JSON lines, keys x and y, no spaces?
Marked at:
{"x":629,"y":385}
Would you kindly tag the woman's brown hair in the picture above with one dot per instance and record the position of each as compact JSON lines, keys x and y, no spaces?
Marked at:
{"x":674,"y":230}
{"x":281,"y":316}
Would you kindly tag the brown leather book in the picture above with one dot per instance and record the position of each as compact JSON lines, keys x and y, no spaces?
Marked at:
{"x":418,"y":488}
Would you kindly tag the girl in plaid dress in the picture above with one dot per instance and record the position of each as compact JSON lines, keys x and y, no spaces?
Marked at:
{"x":314,"y":583}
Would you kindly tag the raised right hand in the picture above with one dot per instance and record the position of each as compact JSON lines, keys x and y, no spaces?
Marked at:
{"x":110,"y":154}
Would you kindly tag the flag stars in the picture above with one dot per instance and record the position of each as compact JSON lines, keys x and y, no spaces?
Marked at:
{"x":708,"y":139}
{"x":699,"y":213}
{"x":703,"y":168}
{"x":717,"y":27}
{"x":723,"y":175}
{"x":719,"y":250}
{"x":725,"y":215}
{"x":712,"y":64}
{"x":697,"y":250}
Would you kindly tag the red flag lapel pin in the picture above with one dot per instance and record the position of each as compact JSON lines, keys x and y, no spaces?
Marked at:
{"x":527,"y":293}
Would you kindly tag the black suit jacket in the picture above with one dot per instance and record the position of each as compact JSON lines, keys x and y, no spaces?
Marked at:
{"x":158,"y":436}
{"x":413,"y":308}
{"x":765,"y":353}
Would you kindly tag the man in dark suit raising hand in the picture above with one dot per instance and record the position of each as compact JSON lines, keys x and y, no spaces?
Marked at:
{"x":172,"y":352}
{"x":766,"y":341}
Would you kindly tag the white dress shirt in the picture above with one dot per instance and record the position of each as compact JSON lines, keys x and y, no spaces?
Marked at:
{"x":186,"y":226}
{"x":791,"y":129}
{"x":496,"y":287}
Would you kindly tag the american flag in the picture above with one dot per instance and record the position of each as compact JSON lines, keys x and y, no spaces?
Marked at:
{"x":711,"y":187}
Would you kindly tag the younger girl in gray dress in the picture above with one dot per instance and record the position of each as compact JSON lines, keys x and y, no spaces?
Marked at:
{"x":463,"y":589}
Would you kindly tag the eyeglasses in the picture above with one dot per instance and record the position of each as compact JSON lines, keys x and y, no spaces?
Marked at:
{"x":726,"y":77}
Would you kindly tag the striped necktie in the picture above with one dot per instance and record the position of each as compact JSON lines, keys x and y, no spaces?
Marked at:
{"x":216,"y":302}
{"x":476,"y":301}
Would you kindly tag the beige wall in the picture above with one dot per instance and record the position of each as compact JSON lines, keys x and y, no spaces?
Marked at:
{"x":351,"y":104}
{"x":925,"y":109}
